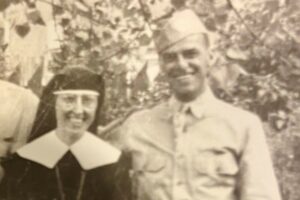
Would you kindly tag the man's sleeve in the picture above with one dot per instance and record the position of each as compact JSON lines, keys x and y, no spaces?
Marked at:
{"x":29,"y":109}
{"x":257,"y":177}
{"x":125,"y":135}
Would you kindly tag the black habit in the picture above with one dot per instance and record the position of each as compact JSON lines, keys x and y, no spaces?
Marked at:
{"x":25,"y":179}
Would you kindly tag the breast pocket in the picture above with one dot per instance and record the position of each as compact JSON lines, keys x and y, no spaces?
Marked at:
{"x":155,"y":163}
{"x":149,"y":175}
{"x":226,"y":164}
{"x":204,"y":162}
{"x":214,"y":162}
{"x":151,"y":163}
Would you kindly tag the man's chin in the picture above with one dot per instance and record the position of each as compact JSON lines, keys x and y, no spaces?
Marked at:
{"x":187,"y":93}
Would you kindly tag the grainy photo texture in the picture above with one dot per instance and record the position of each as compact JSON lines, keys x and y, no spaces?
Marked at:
{"x":149,"y":99}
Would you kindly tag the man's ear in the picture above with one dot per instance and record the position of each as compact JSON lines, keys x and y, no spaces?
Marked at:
{"x":210,"y":58}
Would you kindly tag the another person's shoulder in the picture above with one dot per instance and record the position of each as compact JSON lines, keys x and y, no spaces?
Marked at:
{"x":5,"y":85}
{"x":14,"y":91}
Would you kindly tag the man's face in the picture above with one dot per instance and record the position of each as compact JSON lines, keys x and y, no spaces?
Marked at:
{"x":75,"y":112}
{"x":186,"y":66}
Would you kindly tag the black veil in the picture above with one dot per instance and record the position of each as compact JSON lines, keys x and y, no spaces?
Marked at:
{"x":70,"y":78}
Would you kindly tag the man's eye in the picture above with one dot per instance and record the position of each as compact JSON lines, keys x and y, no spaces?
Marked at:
{"x":168,"y":57}
{"x":192,"y":53}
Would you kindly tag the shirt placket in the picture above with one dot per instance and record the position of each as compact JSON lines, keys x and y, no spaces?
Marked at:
{"x":179,"y":186}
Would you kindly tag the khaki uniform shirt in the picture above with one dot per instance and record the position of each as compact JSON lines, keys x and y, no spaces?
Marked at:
{"x":18,"y":107}
{"x":220,"y":154}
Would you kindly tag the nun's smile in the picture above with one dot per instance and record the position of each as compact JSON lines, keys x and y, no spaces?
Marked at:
{"x":75,"y":109}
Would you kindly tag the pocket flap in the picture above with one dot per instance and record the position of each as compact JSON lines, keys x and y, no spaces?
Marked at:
{"x":155,"y":163}
{"x":227,"y":164}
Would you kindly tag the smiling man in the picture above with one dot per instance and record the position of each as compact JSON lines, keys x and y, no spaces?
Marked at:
{"x":185,"y":64}
{"x":194,"y":146}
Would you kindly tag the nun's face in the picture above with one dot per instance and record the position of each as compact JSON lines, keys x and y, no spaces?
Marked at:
{"x":75,"y":110}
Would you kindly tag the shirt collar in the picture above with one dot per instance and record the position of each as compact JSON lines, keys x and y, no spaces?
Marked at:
{"x":199,"y":107}
{"x":90,"y":151}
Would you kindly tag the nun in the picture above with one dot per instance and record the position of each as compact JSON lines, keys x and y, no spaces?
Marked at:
{"x":64,"y":160}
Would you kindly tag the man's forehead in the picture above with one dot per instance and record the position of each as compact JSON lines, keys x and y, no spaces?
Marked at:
{"x":189,"y":43}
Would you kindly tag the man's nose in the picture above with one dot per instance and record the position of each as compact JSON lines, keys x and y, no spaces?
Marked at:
{"x":182,"y":62}
{"x":78,"y":105}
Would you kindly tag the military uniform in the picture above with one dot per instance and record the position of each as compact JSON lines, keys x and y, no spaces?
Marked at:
{"x":219,"y":152}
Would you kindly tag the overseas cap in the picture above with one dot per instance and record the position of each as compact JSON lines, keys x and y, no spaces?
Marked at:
{"x":181,"y":24}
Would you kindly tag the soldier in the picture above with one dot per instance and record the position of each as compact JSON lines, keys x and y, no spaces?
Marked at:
{"x":195,"y":146}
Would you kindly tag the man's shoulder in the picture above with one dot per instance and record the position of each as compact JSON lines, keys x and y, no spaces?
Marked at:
{"x":151,"y":111}
{"x":235,"y":114}
{"x":149,"y":114}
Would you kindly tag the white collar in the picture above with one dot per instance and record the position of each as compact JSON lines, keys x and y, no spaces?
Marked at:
{"x":90,"y":151}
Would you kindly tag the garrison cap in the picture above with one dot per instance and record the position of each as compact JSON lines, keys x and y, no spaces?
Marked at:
{"x":181,"y":24}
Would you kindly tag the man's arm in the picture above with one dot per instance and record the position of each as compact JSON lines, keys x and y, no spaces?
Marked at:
{"x":257,"y":177}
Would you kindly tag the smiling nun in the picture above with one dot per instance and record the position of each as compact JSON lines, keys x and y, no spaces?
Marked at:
{"x":64,"y":159}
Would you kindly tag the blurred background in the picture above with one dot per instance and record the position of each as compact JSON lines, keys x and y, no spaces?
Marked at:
{"x":256,"y":57}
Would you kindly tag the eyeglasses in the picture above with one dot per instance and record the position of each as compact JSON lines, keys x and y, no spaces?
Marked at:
{"x":70,"y":99}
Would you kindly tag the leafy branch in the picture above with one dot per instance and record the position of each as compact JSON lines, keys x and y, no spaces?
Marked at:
{"x":257,"y":38}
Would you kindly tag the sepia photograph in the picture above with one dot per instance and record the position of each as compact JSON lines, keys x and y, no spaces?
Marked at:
{"x":149,"y":99}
